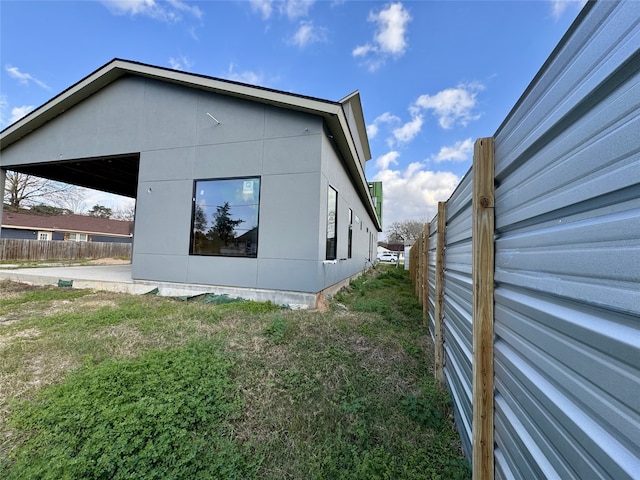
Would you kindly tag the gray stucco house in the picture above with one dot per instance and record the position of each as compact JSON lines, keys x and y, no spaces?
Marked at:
{"x":240,"y":189}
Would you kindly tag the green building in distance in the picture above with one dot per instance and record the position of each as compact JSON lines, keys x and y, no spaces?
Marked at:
{"x":375,"y":189}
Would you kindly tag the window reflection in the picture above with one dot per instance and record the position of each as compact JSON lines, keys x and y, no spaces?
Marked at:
{"x":332,"y":212}
{"x":225,"y":217}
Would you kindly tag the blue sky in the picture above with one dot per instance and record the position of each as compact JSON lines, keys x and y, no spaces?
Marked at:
{"x":433,"y":75}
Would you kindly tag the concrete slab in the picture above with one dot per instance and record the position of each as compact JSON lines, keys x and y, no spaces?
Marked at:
{"x":117,"y":278}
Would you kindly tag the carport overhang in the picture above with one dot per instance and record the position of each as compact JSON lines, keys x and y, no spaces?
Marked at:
{"x":118,"y":173}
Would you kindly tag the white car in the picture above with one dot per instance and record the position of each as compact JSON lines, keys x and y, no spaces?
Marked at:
{"x":388,"y":258}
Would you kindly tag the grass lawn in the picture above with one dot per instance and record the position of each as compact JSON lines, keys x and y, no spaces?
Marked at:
{"x":104,"y":385}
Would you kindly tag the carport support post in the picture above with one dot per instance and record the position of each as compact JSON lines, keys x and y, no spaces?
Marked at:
{"x":438,"y":316}
{"x":483,"y":224}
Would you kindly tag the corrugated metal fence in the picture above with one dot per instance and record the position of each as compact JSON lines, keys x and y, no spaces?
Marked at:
{"x":36,"y":250}
{"x":565,"y":353}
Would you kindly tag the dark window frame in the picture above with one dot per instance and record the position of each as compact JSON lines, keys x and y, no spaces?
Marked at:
{"x":331,"y":252}
{"x":350,"y":237}
{"x":192,"y":247}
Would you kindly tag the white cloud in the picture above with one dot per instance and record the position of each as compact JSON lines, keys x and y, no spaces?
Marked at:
{"x":264,"y":7}
{"x":294,"y":9}
{"x":307,"y":34}
{"x":387,"y":159}
{"x":558,"y":7}
{"x":92,"y":197}
{"x":246,"y":76}
{"x":458,"y":152}
{"x":453,"y":105}
{"x":409,"y":130}
{"x":392,"y":28}
{"x":18,"y":112}
{"x":170,"y":11}
{"x":180,"y":63}
{"x":386,"y":117}
{"x":390,"y":38}
{"x":24,"y":78}
{"x":413,"y":193}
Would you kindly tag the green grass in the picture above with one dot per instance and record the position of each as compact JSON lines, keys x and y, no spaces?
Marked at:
{"x":99,"y":385}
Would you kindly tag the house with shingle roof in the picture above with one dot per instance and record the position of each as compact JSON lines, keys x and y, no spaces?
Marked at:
{"x":79,"y":228}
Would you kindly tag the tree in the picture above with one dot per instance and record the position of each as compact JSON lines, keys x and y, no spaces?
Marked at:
{"x":48,"y":210}
{"x":407,"y":230}
{"x":22,"y":191}
{"x":223,"y":224}
{"x":100,"y":211}
{"x":200,"y":242}
{"x":126,"y":213}
{"x":199,"y":220}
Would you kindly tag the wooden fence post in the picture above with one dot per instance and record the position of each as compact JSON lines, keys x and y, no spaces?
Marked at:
{"x":438,"y":317}
{"x":482,"y":272}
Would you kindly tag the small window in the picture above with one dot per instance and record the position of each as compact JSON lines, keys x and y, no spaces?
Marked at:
{"x":350,"y":239}
{"x":332,"y":218}
{"x":78,"y":237}
{"x":44,"y":236}
{"x":224,"y":221}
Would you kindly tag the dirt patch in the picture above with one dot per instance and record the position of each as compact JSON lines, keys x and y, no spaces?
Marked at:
{"x":10,"y":289}
{"x":109,"y":261}
{"x":6,"y":340}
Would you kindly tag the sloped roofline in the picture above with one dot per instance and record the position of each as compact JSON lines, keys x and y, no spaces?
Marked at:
{"x":332,"y":112}
{"x":68,"y":223}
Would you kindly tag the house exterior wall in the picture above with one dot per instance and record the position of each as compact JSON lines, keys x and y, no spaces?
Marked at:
{"x":28,"y":234}
{"x":178,"y":143}
{"x":363,"y":249}
{"x":108,"y":239}
{"x":19,"y":233}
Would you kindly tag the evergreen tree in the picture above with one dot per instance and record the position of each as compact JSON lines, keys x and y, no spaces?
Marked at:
{"x":223,"y":224}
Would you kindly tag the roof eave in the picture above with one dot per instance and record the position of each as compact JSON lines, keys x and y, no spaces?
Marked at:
{"x":118,"y":68}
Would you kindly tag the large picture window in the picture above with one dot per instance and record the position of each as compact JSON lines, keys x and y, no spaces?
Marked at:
{"x":332,"y":218}
{"x":225,"y":217}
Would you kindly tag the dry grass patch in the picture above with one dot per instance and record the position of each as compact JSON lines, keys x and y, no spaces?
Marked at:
{"x":345,"y":392}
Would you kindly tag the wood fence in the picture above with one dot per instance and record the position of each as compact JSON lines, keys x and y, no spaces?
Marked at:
{"x":37,"y":250}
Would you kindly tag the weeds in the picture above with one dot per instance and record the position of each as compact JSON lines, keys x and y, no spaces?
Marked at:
{"x":164,"y":415}
{"x":98,"y":385}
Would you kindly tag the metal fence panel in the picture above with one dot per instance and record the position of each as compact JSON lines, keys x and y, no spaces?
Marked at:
{"x":431,"y":273}
{"x":458,"y":307}
{"x":567,"y":302}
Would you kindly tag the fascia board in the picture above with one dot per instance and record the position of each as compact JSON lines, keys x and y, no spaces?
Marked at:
{"x":356,"y":106}
{"x":356,"y":168}
{"x":118,"y":68}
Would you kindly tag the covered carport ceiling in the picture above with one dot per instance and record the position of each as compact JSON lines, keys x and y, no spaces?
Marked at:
{"x":113,"y":174}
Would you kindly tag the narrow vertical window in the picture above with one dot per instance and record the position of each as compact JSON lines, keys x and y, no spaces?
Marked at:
{"x":332,"y":218}
{"x":350,"y":239}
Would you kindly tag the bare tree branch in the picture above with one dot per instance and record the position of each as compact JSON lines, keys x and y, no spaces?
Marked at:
{"x":401,"y":232}
{"x":24,"y":191}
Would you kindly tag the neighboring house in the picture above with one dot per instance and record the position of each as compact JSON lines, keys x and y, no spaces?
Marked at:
{"x":78,"y":228}
{"x":397,"y":248}
{"x":236,"y":185}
